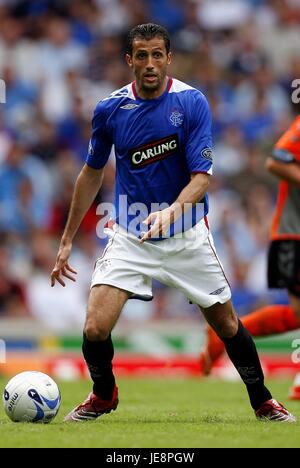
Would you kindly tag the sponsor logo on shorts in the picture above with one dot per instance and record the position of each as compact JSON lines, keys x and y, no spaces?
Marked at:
{"x":217,"y":292}
{"x":154,"y":151}
{"x":104,"y":265}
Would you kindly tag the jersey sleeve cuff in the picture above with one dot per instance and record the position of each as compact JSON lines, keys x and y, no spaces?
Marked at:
{"x":94,"y":164}
{"x":202,"y":171}
{"x":283,"y":156}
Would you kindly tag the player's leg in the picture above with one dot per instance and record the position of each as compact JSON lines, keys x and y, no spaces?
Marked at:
{"x":242,"y":352}
{"x":123,"y":271}
{"x":283,"y":271}
{"x":268,"y":320}
{"x":295,"y":307}
{"x":240,"y":348}
{"x":198,"y":273}
{"x":212,"y":351}
{"x":104,"y":307}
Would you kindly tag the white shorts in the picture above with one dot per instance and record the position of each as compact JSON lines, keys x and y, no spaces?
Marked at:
{"x":187,"y":262}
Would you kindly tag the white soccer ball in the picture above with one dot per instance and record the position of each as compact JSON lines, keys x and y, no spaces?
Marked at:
{"x":31,"y":397}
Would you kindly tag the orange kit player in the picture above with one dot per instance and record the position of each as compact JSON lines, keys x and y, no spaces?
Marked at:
{"x":284,"y":252}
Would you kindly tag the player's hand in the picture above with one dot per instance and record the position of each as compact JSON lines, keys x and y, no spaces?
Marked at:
{"x":62,"y":267}
{"x":160,"y":222}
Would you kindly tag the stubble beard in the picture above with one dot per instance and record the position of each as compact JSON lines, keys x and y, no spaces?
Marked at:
{"x":149,"y":88}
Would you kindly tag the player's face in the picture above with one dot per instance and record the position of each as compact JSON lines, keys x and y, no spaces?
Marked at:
{"x":149,"y":62}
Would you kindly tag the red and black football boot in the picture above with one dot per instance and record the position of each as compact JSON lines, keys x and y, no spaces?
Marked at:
{"x":93,"y":407}
{"x":271,"y":410}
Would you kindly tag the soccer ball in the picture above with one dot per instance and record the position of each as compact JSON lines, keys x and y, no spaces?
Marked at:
{"x":31,"y":397}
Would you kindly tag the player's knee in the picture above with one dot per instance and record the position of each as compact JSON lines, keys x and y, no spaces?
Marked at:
{"x":95,"y":332}
{"x":223,"y":319}
{"x":227,"y":328}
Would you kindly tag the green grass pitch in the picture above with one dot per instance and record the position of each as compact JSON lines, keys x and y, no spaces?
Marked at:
{"x":162,"y":413}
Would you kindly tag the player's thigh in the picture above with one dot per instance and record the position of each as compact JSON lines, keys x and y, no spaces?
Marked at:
{"x":197,"y":271}
{"x":105,"y":304}
{"x":295,"y":304}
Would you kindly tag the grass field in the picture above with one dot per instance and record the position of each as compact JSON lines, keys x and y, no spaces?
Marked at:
{"x":162,"y":413}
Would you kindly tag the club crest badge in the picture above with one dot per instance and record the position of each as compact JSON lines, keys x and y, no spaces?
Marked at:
{"x":176,"y":118}
{"x":207,"y":154}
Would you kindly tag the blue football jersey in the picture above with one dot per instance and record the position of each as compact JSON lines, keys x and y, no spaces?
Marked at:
{"x":158,"y":144}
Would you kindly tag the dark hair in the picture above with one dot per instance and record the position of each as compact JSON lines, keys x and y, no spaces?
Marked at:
{"x":147,"y":31}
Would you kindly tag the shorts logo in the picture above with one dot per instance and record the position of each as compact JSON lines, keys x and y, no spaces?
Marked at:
{"x":217,"y":292}
{"x":105,"y":264}
{"x":206,"y":153}
{"x":154,"y":151}
{"x":176,"y":118}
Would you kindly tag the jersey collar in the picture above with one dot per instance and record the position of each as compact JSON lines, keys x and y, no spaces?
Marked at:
{"x":168,"y":87}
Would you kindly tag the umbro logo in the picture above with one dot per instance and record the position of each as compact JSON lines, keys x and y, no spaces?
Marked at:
{"x":129,"y":106}
{"x":217,"y":292}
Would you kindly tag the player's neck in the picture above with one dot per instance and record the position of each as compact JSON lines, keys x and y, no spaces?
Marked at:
{"x":152,"y":94}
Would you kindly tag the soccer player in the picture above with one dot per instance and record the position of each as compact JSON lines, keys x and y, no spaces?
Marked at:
{"x":284,"y":251}
{"x":161,"y":132}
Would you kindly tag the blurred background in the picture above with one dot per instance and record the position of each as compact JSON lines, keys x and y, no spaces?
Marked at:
{"x":58,"y":58}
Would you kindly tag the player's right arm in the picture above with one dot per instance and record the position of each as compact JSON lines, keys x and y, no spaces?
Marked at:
{"x":289,"y":172}
{"x":285,"y":159}
{"x":86,"y":188}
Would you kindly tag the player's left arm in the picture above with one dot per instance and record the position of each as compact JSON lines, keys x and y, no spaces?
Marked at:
{"x":289,"y":171}
{"x":191,"y":194}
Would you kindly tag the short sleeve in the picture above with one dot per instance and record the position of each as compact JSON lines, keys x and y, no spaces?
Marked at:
{"x":287,"y":149}
{"x":100,"y":143}
{"x":199,"y":139}
{"x":282,"y":155}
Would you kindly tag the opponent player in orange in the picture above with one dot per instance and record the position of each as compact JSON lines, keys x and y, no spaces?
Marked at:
{"x":284,"y":252}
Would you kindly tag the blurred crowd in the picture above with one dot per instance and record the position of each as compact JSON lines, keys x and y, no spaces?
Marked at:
{"x":58,"y":58}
